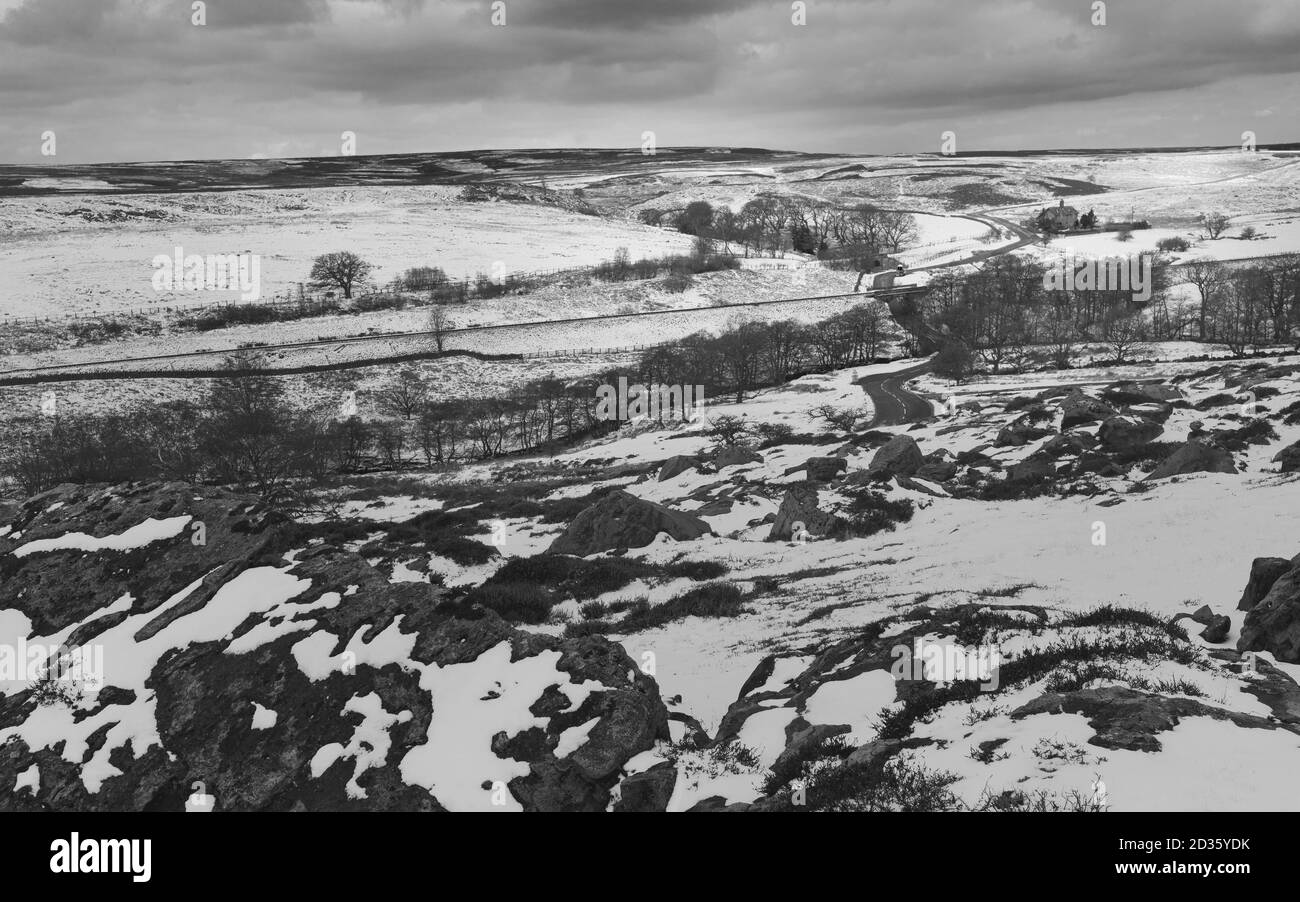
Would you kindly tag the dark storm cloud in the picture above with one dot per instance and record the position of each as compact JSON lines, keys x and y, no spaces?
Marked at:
{"x":134,"y":79}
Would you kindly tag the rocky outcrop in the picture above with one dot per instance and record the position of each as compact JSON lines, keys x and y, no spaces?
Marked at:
{"x":675,"y":466}
{"x":648,"y":791}
{"x":290,"y":676}
{"x":1128,"y":433}
{"x":1217,"y":629}
{"x":1131,"y":719}
{"x":1194,"y":457}
{"x":900,"y":457}
{"x":621,"y":520}
{"x":937,"y":466}
{"x":799,"y":505}
{"x":824,"y":469}
{"x":1140,"y":393}
{"x":1264,"y":571}
{"x":1033,"y":468}
{"x":1288,"y":458}
{"x":1069,"y":443}
{"x":1078,"y":409}
{"x":1023,"y":430}
{"x":1273,"y":623}
{"x":735,"y":455}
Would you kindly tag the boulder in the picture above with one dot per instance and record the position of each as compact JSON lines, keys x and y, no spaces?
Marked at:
{"x":1273,"y":625}
{"x":1032,"y":469}
{"x":1100,"y":464}
{"x":1156,"y":413}
{"x":900,"y":457}
{"x":920,"y":485}
{"x":1194,"y":457}
{"x":825,"y":469}
{"x":1217,"y":629}
{"x":620,"y":520}
{"x":1125,"y":433}
{"x":1264,"y":571}
{"x":1068,"y":443}
{"x":937,"y":467}
{"x":734,"y":455}
{"x":675,"y":466}
{"x":975,"y":457}
{"x":800,"y":506}
{"x":1021,"y":431}
{"x":1078,"y":409}
{"x":1129,"y":392}
{"x":648,"y":791}
{"x":1289,"y":458}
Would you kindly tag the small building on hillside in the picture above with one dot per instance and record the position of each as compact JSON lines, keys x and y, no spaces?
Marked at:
{"x":1059,"y":218}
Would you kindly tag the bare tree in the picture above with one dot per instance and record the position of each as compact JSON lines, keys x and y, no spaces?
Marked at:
{"x":1215,"y":224}
{"x":1207,"y":275}
{"x":342,"y":269}
{"x":404,"y":395}
{"x":439,"y":324}
{"x":1125,"y":333}
{"x":839,"y":419}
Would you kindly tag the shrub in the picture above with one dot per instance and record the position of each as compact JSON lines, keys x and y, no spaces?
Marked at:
{"x":773,"y":433}
{"x":516,"y":602}
{"x":677,"y":282}
{"x":871,"y":512}
{"x":711,"y":600}
{"x":902,"y":784}
{"x":466,"y":552}
{"x":697,"y":570}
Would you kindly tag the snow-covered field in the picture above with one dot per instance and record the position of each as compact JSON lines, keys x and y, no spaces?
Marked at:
{"x":57,"y":261}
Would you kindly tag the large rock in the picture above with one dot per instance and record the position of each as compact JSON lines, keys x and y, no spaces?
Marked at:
{"x":825,"y":469}
{"x":648,"y":791}
{"x":900,"y":457}
{"x":1023,"y":430}
{"x":734,"y":455}
{"x":675,"y":466}
{"x":1217,"y":629}
{"x":800,"y":506}
{"x":1078,"y":409}
{"x":1194,"y":457}
{"x":1273,"y":625}
{"x":1289,"y":458}
{"x":937,"y":467}
{"x":620,"y":520}
{"x":1140,"y":393}
{"x":1124,"y":433}
{"x":1071,"y":443}
{"x":1264,"y":571}
{"x":1032,"y":469}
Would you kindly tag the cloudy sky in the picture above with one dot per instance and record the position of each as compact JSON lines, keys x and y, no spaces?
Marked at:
{"x":137,"y":80}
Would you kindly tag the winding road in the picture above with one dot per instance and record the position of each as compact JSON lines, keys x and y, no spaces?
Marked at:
{"x":894,"y":405}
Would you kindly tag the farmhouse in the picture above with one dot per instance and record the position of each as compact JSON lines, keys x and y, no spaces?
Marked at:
{"x":1059,"y":218}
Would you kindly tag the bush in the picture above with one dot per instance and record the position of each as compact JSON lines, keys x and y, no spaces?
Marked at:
{"x":464,"y":551}
{"x":901,"y":784}
{"x":516,"y":602}
{"x":773,"y":433}
{"x":871,"y":512}
{"x":711,"y":600}
{"x":1173,"y":245}
{"x":676,"y":283}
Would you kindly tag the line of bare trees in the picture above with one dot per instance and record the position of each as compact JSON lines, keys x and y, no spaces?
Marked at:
{"x":247,"y":430}
{"x":1004,"y":317}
